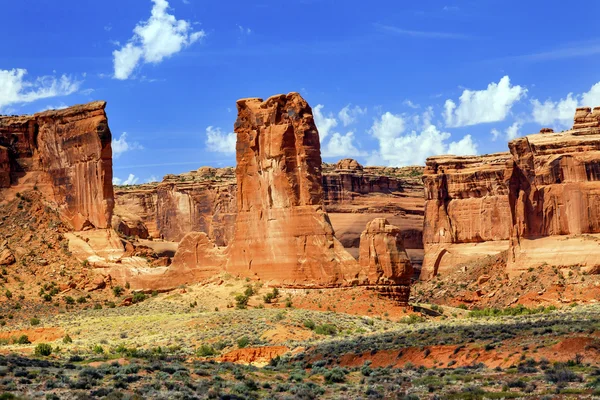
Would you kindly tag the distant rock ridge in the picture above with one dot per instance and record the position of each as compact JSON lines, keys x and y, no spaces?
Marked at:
{"x":529,"y":201}
{"x":67,"y":155}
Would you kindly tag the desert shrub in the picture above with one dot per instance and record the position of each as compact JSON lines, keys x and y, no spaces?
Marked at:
{"x":249,"y":292}
{"x":81,"y":300}
{"x":69,"y":300}
{"x":335,"y":375}
{"x":117,"y":291}
{"x":561,"y":374}
{"x":326,"y":329}
{"x":310,"y":324}
{"x":205,"y":351}
{"x":241,"y":301}
{"x":23,"y":339}
{"x":43,"y":349}
{"x":97,"y":306}
{"x":97,"y":349}
{"x":269,"y":297}
{"x":67,"y":339}
{"x":243,"y":342}
{"x":8,"y":294}
{"x":34,"y":321}
{"x":138,"y":297}
{"x":412,"y":319}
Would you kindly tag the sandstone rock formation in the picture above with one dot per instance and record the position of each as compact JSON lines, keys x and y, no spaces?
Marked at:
{"x":67,"y":155}
{"x":205,"y":201}
{"x":541,"y":202}
{"x":467,"y":213}
{"x":197,"y":259}
{"x":282,"y":233}
{"x":384,"y":260}
{"x":555,"y":196}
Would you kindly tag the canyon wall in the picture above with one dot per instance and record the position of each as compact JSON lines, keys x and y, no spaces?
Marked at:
{"x":555,"y":196}
{"x":66,"y":154}
{"x":205,"y":201}
{"x":540,"y":202}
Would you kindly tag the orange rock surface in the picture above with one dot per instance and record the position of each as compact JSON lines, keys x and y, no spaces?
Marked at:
{"x":282,"y":233}
{"x":67,"y":155}
{"x":382,"y":254}
{"x":467,"y":212}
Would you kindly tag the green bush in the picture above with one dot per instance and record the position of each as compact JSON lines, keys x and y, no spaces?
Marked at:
{"x":241,"y":301}
{"x":67,"y":339}
{"x":310,"y":324}
{"x":117,"y":291}
{"x":326,"y":329}
{"x":43,"y":349}
{"x":8,"y":294}
{"x":243,"y":342}
{"x":81,"y":300}
{"x":23,"y":339}
{"x":205,"y":351}
{"x":138,"y":297}
{"x":335,"y":375}
{"x":69,"y":300}
{"x":97,"y":349}
{"x":34,"y":321}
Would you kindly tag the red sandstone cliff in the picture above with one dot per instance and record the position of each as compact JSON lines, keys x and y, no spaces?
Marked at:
{"x":67,"y":155}
{"x":467,"y":212}
{"x":282,"y":233}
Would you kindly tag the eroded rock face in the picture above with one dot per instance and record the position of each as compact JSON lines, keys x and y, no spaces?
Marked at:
{"x":382,"y":254}
{"x":197,"y":259}
{"x":282,"y":233}
{"x":67,"y":155}
{"x":467,"y":212}
{"x":554,"y":191}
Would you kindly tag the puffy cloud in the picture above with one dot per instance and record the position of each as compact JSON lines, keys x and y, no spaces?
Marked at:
{"x":341,"y":146}
{"x":348,"y":115}
{"x":324,"y":123}
{"x":15,"y":89}
{"x":161,"y":36}
{"x":337,"y":145}
{"x":512,"y":132}
{"x":561,"y":112}
{"x":121,"y":145}
{"x":397,"y":147}
{"x":220,"y":142}
{"x":479,"y":106}
{"x":131,"y":180}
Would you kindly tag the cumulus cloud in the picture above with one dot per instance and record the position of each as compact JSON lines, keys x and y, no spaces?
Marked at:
{"x":161,"y":36}
{"x":333,"y":143}
{"x":400,"y":147}
{"x":15,"y":89}
{"x":341,"y":146}
{"x":561,"y":112}
{"x":121,"y":145}
{"x":220,"y":142}
{"x":131,"y":180}
{"x":480,"y":106}
{"x":324,"y":123}
{"x":349,"y":115}
{"x":512,"y":132}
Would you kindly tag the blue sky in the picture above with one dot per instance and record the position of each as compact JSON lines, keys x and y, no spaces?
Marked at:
{"x":390,"y":82}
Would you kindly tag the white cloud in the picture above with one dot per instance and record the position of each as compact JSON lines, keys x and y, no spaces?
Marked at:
{"x":14,"y":89}
{"x":341,"y":146}
{"x":510,"y":133}
{"x":161,"y":36}
{"x":397,"y":147}
{"x":131,"y":180}
{"x":324,"y":123}
{"x":348,"y":115}
{"x":480,"y":106}
{"x":410,"y":104}
{"x":121,"y":145}
{"x":220,"y":142}
{"x":562,"y":112}
{"x":153,"y":178}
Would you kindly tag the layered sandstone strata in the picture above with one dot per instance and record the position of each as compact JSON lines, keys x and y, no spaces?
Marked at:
{"x":67,"y":155}
{"x":282,"y":233}
{"x":205,"y":201}
{"x":384,"y":261}
{"x":555,"y":196}
{"x":467,"y":212}
{"x":198,"y":201}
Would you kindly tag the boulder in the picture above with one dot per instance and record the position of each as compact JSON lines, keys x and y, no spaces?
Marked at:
{"x":7,"y":257}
